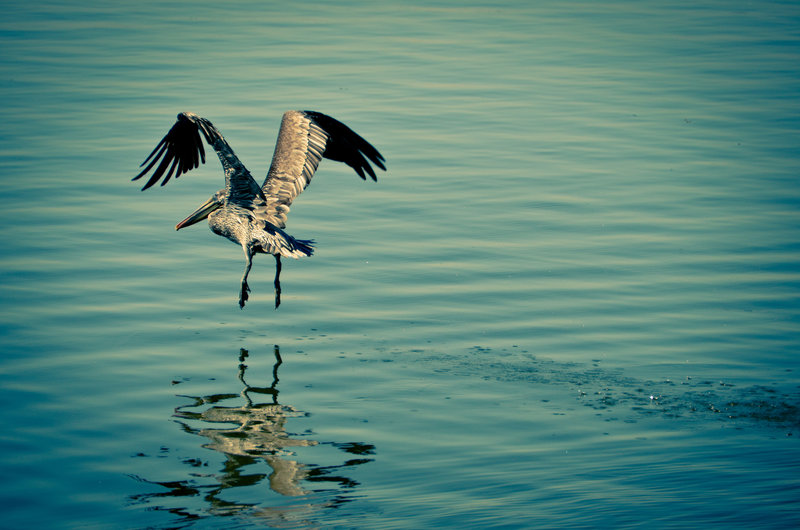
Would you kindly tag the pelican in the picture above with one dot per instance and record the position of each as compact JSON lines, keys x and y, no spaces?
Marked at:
{"x":252,"y":216}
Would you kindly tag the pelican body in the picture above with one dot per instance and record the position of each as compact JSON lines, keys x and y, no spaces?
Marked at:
{"x":250,"y":215}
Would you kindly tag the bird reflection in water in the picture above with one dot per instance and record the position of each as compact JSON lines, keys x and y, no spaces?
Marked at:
{"x":254,"y":431}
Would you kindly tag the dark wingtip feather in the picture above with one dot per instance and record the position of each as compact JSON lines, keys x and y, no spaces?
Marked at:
{"x":180,"y":151}
{"x":345,"y":145}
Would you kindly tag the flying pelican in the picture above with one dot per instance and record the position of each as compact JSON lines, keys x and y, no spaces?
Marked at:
{"x":253,"y":216}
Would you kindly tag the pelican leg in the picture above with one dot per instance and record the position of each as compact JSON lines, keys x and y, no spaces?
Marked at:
{"x":277,"y":280}
{"x":243,"y":296}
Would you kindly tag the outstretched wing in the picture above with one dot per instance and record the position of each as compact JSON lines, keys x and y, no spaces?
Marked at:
{"x":180,"y":150}
{"x":305,"y":137}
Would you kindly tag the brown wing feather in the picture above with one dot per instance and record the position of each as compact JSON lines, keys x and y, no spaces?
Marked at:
{"x":305,"y":137}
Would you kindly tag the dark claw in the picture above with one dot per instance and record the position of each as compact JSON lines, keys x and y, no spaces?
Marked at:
{"x":243,"y":296}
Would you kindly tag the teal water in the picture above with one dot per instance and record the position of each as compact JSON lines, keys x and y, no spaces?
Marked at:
{"x":573,"y":300}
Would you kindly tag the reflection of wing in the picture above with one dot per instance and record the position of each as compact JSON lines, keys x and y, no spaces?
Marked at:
{"x":305,"y":137}
{"x":181,"y":149}
{"x":260,"y":431}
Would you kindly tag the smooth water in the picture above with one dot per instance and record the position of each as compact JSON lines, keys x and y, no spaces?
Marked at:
{"x":573,"y":300}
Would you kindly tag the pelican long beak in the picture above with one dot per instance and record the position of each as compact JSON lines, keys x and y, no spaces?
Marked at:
{"x":201,"y":213}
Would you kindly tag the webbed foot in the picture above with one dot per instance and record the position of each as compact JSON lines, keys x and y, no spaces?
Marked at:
{"x":243,"y":296}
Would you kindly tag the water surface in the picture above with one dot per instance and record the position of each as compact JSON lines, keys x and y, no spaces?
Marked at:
{"x":573,"y":300}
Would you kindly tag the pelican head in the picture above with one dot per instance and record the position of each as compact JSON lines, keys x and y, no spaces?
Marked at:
{"x":214,"y":203}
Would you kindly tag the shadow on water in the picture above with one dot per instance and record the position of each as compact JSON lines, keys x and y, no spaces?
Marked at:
{"x":247,"y":433}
